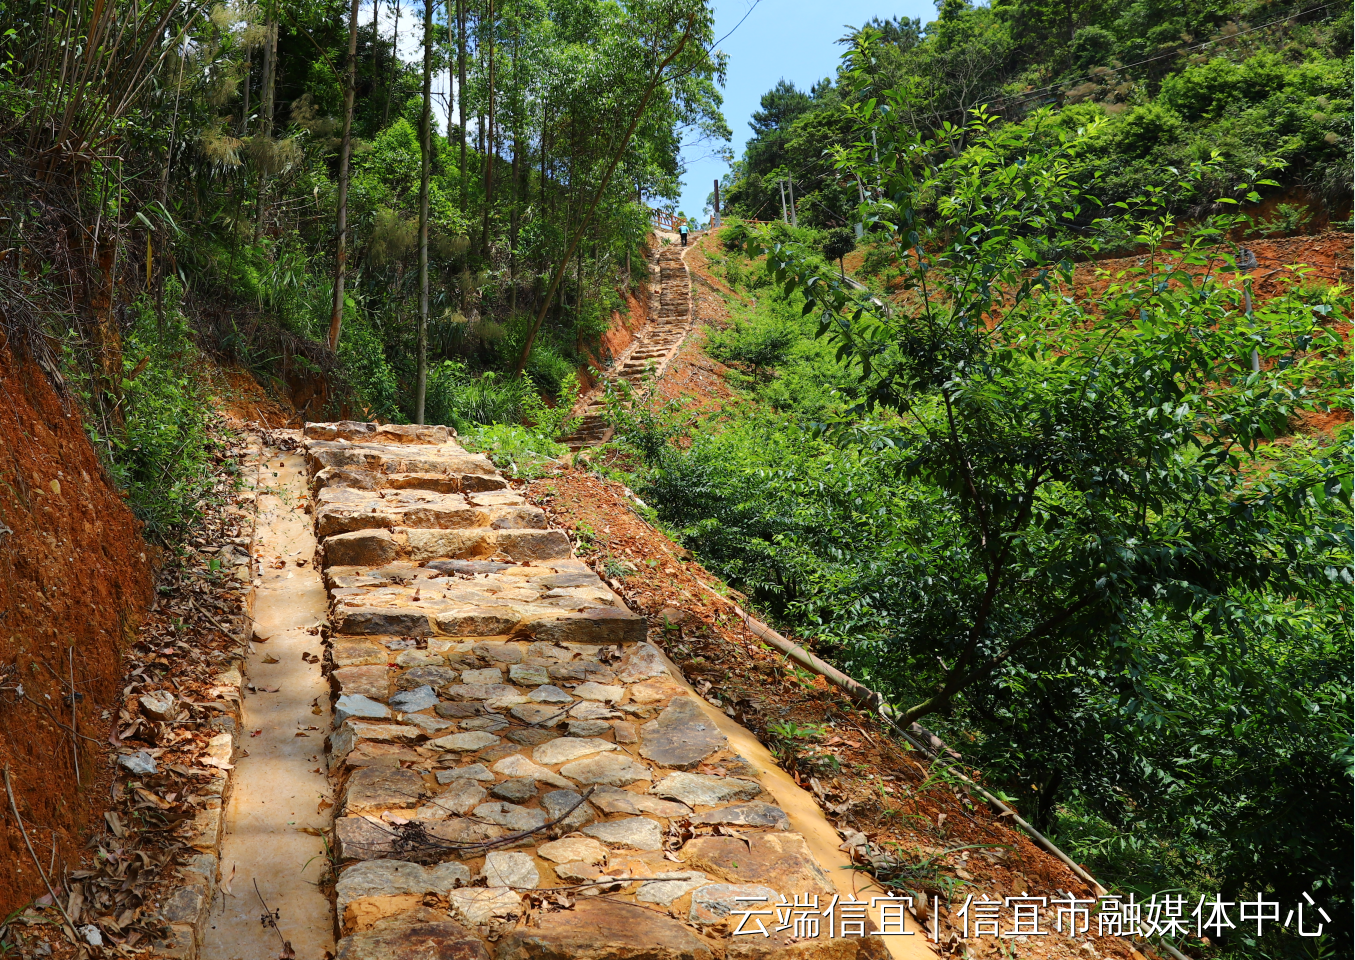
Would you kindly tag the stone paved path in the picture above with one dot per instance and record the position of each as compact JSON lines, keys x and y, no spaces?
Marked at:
{"x":655,"y":346}
{"x":519,"y":773}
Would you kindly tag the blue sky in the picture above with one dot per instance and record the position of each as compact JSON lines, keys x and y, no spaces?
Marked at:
{"x":794,"y":39}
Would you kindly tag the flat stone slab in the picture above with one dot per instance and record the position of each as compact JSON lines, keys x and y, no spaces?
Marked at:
{"x":570,"y":805}
{"x":358,"y":705}
{"x":671,"y":887}
{"x":703,"y":790}
{"x":605,"y":930}
{"x":519,"y":766}
{"x":600,"y":692}
{"x":538,"y":714}
{"x":516,"y":870}
{"x":714,"y":902}
{"x":515,"y":791}
{"x":474,"y":771}
{"x":756,"y":814}
{"x":565,"y":749}
{"x":379,"y":789}
{"x":358,"y":838}
{"x":398,"y":884}
{"x":633,"y":833}
{"x":573,"y":849}
{"x":465,"y":742}
{"x":615,"y":770}
{"x":681,"y":737}
{"x":510,"y":815}
{"x":588,"y":728}
{"x":581,"y":671}
{"x":549,"y":693}
{"x":445,"y":941}
{"x":614,"y":800}
{"x":779,"y":860}
{"x":479,"y":905}
{"x":412,"y":701}
{"x":460,"y":798}
{"x":529,"y":675}
{"x":644,"y":663}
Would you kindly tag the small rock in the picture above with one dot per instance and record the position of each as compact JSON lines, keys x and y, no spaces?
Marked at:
{"x":682,"y":736}
{"x":549,"y":651}
{"x":588,"y":710}
{"x":529,"y":675}
{"x":530,"y":736}
{"x":418,"y":658}
{"x":429,"y":725}
{"x":390,"y":878}
{"x":158,"y":705}
{"x":519,"y":766}
{"x":565,"y":749}
{"x":549,"y":693}
{"x":412,"y":701}
{"x":492,"y":723}
{"x":713,"y":903}
{"x":756,"y":814}
{"x":140,"y":763}
{"x":634,"y":833}
{"x":92,"y":935}
{"x":489,"y":675}
{"x":465,"y":742}
{"x":499,"y":652}
{"x":581,"y":671}
{"x":476,"y":771}
{"x":378,"y":789}
{"x":588,"y":728}
{"x":673,"y":885}
{"x":479,"y":905}
{"x":514,"y":870}
{"x":510,"y":815}
{"x":699,"y":789}
{"x":356,"y":705}
{"x":458,"y":710}
{"x":573,"y":848}
{"x":612,"y":769}
{"x":644,"y":663}
{"x":614,"y":800}
{"x":625,"y":732}
{"x":480,"y":691}
{"x":571,"y":806}
{"x":522,"y":788}
{"x":577,"y":871}
{"x":538,"y":714}
{"x":600,"y":692}
{"x":460,"y":798}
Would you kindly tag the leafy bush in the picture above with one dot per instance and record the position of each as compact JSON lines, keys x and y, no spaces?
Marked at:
{"x":518,"y":451}
{"x":162,"y":452}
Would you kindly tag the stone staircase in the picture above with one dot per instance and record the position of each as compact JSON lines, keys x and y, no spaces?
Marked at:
{"x":518,"y":773}
{"x":671,"y":318}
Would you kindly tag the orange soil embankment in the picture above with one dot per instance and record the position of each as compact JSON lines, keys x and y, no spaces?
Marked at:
{"x":74,"y":581}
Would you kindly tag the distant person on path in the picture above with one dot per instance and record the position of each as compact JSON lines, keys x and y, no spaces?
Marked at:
{"x":682,"y":230}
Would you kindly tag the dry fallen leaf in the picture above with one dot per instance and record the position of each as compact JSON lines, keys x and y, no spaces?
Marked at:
{"x":271,"y":659}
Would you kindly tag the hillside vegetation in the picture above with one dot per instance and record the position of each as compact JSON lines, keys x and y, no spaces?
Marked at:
{"x":1094,"y":527}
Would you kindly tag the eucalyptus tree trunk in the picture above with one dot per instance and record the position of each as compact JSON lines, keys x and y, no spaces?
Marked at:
{"x":345,"y":151}
{"x":426,"y":148}
{"x":270,"y":56}
{"x":461,"y":91}
{"x":489,"y":140}
{"x":395,"y":60}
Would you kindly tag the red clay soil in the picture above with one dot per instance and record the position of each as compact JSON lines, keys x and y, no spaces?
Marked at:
{"x":75,"y":578}
{"x":862,"y":779}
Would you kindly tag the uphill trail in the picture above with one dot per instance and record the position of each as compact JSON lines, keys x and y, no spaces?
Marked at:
{"x":671,"y":319}
{"x":514,"y":768}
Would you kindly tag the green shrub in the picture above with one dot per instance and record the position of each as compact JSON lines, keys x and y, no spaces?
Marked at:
{"x":162,"y":452}
{"x":522,"y":453}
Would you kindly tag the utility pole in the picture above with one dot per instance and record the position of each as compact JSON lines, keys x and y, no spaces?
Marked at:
{"x":781,"y":185}
{"x":790,"y":185}
{"x":716,"y":223}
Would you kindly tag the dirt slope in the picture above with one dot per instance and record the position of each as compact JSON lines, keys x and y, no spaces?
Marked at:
{"x":75,"y":578}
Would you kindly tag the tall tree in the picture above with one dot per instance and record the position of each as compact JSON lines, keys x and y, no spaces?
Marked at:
{"x":345,"y":149}
{"x":461,"y":90}
{"x":489,"y":139}
{"x":425,"y":168}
